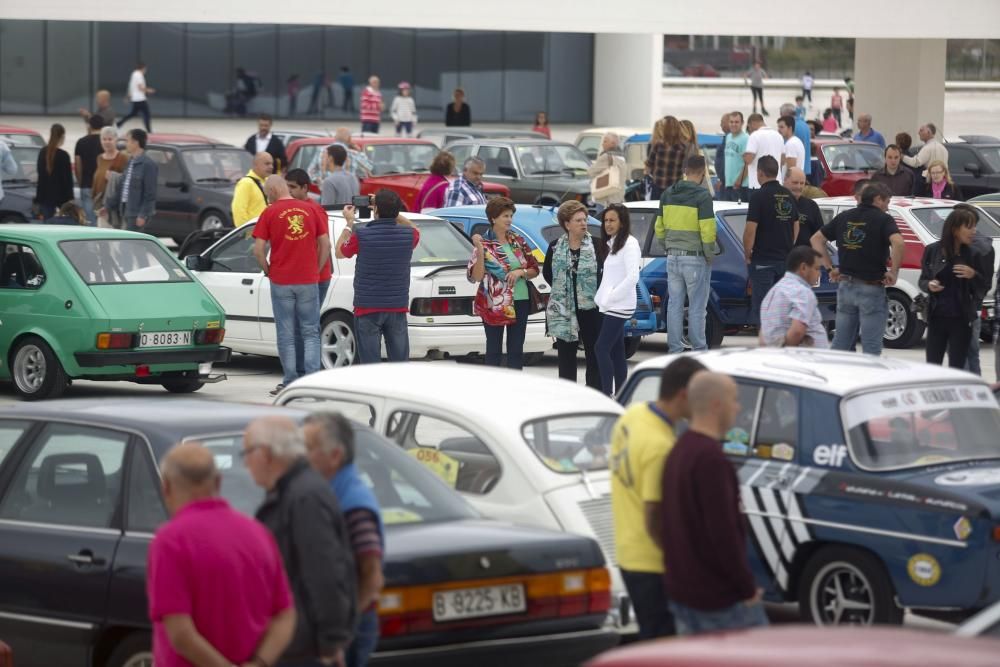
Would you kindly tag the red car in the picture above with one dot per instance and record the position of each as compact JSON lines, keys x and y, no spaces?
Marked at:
{"x":795,"y":646}
{"x":398,"y":164}
{"x":701,"y":70}
{"x":846,"y":162}
{"x":21,"y":136}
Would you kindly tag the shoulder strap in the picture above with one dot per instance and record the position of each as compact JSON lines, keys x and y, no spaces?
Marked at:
{"x":259,"y":186}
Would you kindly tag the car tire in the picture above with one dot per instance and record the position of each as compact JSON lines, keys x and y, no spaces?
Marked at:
{"x":212,"y":219}
{"x":135,"y":650}
{"x":338,"y":342}
{"x":838,"y":574}
{"x":632,"y":346}
{"x":714,"y":331}
{"x":182,"y":385}
{"x":903,"y":329}
{"x":532,"y":358}
{"x":36,"y":371}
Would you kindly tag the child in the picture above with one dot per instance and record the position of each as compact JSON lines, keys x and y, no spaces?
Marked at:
{"x":800,"y":108}
{"x":404,"y":110}
{"x":829,"y":122}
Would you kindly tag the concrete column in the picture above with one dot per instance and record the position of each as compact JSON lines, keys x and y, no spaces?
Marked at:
{"x":628,"y":79}
{"x":900,"y":82}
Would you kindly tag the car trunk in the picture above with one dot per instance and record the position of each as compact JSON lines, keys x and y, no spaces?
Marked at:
{"x":174,"y":306}
{"x":442,"y":295}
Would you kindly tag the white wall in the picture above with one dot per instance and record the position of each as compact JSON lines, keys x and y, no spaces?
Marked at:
{"x":628,"y":72}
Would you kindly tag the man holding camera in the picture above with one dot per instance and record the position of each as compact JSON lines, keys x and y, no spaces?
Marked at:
{"x":384,"y":248}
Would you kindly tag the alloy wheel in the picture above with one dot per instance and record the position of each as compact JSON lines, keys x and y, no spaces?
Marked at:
{"x":842,"y":595}
{"x":30,"y":368}
{"x":143,"y":659}
{"x":338,"y":344}
{"x":895,"y":324}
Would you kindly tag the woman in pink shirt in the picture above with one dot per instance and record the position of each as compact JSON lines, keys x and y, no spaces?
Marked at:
{"x":837,"y":104}
{"x":542,"y":124}
{"x":432,"y":192}
{"x":829,"y":122}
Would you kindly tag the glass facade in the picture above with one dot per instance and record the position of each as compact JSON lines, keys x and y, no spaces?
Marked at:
{"x":206,"y":70}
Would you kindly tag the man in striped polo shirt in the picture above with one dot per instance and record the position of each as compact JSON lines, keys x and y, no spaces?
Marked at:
{"x":789,"y":315}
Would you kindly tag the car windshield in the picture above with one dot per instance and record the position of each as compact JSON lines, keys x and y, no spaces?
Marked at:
{"x":217,"y":165}
{"x":400,"y":158}
{"x":853,"y":157}
{"x":571,"y":443}
{"x":26,"y":158}
{"x":406,"y":491}
{"x":440,"y":243}
{"x":920,"y":426}
{"x":539,"y":159}
{"x":20,"y":139}
{"x":933,"y":221}
{"x":117,"y":261}
{"x":552,"y":232}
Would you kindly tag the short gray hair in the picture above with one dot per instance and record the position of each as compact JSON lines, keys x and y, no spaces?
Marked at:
{"x":787,"y":109}
{"x":469,"y":161}
{"x":109,"y":131}
{"x":613,"y":136}
{"x":336,"y":432}
{"x":283,"y":439}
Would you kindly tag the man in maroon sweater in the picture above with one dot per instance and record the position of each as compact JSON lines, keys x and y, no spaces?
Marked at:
{"x":708,"y":578}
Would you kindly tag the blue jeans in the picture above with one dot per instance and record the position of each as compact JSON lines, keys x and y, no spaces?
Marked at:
{"x":740,"y":615}
{"x":365,"y":639}
{"x":296,"y":311}
{"x":972,"y":360}
{"x":650,"y":604}
{"x":860,"y":308}
{"x":515,"y":338}
{"x":300,"y":366}
{"x":763,"y":276}
{"x":369,"y":127}
{"x":687,"y":277}
{"x":88,"y":206}
{"x":370,"y":329}
{"x":404,"y":126}
{"x":610,"y":353}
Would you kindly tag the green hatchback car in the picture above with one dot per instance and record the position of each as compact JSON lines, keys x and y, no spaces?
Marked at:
{"x":102,"y":304}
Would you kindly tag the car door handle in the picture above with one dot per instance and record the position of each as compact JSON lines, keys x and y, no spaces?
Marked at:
{"x":85,"y":557}
{"x":247,"y":281}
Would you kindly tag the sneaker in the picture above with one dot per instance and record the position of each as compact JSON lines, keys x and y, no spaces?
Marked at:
{"x":276,"y":390}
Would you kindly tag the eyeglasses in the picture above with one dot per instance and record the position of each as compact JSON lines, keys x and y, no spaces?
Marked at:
{"x":246,"y":451}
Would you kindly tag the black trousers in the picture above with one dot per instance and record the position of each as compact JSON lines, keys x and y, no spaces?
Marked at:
{"x":758,"y":94}
{"x":590,"y":327}
{"x":953,"y":334}
{"x":139,"y":108}
{"x":650,"y":604}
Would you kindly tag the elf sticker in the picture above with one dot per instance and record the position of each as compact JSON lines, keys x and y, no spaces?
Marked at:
{"x":924,"y":569}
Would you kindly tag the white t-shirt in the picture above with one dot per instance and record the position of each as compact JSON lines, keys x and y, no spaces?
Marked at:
{"x":764,"y":141}
{"x":807,"y":82}
{"x":262,"y":144}
{"x":136,"y":84}
{"x":794,"y":149}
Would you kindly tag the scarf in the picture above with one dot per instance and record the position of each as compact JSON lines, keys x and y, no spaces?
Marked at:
{"x":937,"y":189}
{"x":560,"y":313}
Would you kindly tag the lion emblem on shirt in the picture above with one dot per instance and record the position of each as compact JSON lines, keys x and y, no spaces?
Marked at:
{"x":296,"y":228}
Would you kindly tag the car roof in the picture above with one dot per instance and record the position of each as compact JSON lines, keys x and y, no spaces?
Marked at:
{"x":180,"y":138}
{"x":478,"y":133}
{"x":898,"y":202}
{"x":56,"y":233}
{"x":470,"y":390}
{"x":839,"y":373}
{"x":979,"y":139}
{"x":364,"y":141}
{"x":13,"y":129}
{"x":193,"y":145}
{"x":717,"y":206}
{"x":619,"y":130}
{"x":513,"y":141}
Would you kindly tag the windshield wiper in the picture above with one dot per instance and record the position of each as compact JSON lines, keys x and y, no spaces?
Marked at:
{"x":212,"y":179}
{"x":545,"y":172}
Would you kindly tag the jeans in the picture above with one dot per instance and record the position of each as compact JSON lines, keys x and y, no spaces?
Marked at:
{"x":758,"y":94}
{"x":372,"y":328}
{"x":137,"y":109}
{"x":731,"y":193}
{"x":763,"y":276}
{"x":47,"y":210}
{"x":515,"y":338}
{"x":590,"y":327}
{"x":650,"y":604}
{"x":807,"y":94}
{"x":299,"y":354}
{"x":610,"y":351}
{"x":296,"y":309}
{"x":863,"y":308}
{"x":365,"y":639}
{"x":972,"y":359}
{"x":948,"y":333}
{"x":405,"y":126}
{"x":687,"y":277}
{"x":740,"y":615}
{"x":369,"y":127}
{"x":88,"y":206}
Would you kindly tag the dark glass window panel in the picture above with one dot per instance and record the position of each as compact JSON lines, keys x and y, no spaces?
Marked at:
{"x":524,"y":72}
{"x":161,"y":47}
{"x":21,"y":59}
{"x":481,"y":67}
{"x":342,"y":47}
{"x":298,"y":47}
{"x":255,"y":51}
{"x":435,"y":72}
{"x":570,"y":81}
{"x":209,"y":68}
{"x":67,"y":63}
{"x":117,"y":53}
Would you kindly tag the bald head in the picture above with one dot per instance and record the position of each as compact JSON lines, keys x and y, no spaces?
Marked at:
{"x":189,"y":473}
{"x":795,"y":181}
{"x":714,"y":401}
{"x":103,"y":98}
{"x":343,"y":135}
{"x":276,"y":188}
{"x":263,"y":164}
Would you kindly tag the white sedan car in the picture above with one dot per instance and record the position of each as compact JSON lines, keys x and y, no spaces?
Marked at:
{"x":920,"y":221}
{"x":440,"y":321}
{"x":521,"y":448}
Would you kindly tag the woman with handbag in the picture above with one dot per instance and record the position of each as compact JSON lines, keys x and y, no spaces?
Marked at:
{"x":573,"y":266}
{"x":431,"y":194}
{"x":616,"y":296}
{"x":608,"y":173}
{"x":503,"y":265}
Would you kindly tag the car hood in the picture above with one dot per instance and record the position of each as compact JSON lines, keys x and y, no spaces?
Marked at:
{"x":476,"y":548}
{"x":971,"y":488}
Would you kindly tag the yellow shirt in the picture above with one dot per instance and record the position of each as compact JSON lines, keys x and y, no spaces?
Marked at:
{"x":248,"y":199}
{"x":641,"y":441}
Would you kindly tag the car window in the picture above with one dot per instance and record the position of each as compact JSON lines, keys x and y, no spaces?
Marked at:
{"x":400,"y":158}
{"x":71,"y":476}
{"x":213,"y":165}
{"x":462,"y":152}
{"x":146,"y":510}
{"x":571,"y":443}
{"x":991,"y":154}
{"x":958,"y":157}
{"x":235,"y":254}
{"x":828,"y":213}
{"x":738,"y":440}
{"x":26,"y":158}
{"x":356,"y":411}
{"x":10,"y":433}
{"x":646,"y":387}
{"x":17,"y":139}
{"x":552,"y":232}
{"x":305,"y":155}
{"x":635,"y":158}
{"x":737,"y":222}
{"x":440,"y":243}
{"x":169,"y":168}
{"x":853,"y":157}
{"x":450,"y":451}
{"x":643,"y":222}
{"x":590,"y":144}
{"x":117,"y":261}
{"x":777,"y":425}
{"x":479,"y":228}
{"x":20,"y":267}
{"x":551,"y":159}
{"x":933,"y":221}
{"x":498,"y":160}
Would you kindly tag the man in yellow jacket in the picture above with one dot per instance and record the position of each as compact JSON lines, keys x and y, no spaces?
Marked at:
{"x":248,"y":197}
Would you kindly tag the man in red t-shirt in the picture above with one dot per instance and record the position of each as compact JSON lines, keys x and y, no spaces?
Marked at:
{"x":300,"y":245}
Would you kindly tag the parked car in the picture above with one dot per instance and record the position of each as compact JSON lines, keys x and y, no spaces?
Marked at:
{"x":867,"y":482}
{"x":537,"y":171}
{"x":704,"y":70}
{"x":589,"y":140}
{"x":637,"y":148}
{"x":101,"y":304}
{"x":81,"y":500}
{"x":541,"y":460}
{"x":670,"y":71}
{"x":195,"y":183}
{"x":974,"y":164}
{"x":792,"y":646}
{"x":441,"y":321}
{"x":845,"y":162}
{"x":288,"y":136}
{"x":539,"y":227}
{"x":17,"y":203}
{"x":729,"y":299}
{"x":443,"y":136}
{"x":920,"y":222}
{"x":21,"y":136}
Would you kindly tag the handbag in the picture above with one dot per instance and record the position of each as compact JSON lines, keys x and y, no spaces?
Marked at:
{"x":539,"y":302}
{"x":607,"y":182}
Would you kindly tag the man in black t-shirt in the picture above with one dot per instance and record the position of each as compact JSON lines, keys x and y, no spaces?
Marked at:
{"x":864,"y":236}
{"x":810,"y":217}
{"x":86,"y":152}
{"x":770,"y":233}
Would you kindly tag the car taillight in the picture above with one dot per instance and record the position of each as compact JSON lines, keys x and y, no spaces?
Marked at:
{"x":115,"y":341}
{"x":996,"y":533}
{"x":441,"y":306}
{"x":209,"y":336}
{"x":655,"y":298}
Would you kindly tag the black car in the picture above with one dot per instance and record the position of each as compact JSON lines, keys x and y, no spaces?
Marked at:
{"x":80,"y":501}
{"x":194,"y":187}
{"x":974,"y":164}
{"x":19,"y":189}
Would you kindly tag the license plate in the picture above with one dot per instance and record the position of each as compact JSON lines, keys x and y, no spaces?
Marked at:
{"x":165,"y":339}
{"x":465,"y":603}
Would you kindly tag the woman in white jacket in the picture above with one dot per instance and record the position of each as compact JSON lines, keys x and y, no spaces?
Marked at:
{"x":615,"y":297}
{"x":403,"y":110}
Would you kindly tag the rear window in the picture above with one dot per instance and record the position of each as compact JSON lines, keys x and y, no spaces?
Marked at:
{"x":117,"y":261}
{"x":440,"y":243}
{"x":853,"y":157}
{"x":933,"y":220}
{"x":571,"y":443}
{"x":552,"y":232}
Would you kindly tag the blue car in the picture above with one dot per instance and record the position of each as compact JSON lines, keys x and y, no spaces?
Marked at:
{"x":729,"y":298}
{"x":869,"y":485}
{"x":539,"y":226}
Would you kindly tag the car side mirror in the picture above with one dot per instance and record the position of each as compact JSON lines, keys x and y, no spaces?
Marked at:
{"x":197,"y":262}
{"x":507,"y":171}
{"x":973,"y":169}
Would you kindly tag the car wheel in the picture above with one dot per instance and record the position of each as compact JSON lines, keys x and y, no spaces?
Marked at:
{"x":36,"y":371}
{"x":134,"y":650}
{"x":533,"y":358}
{"x":632,"y":346}
{"x":11,"y":219}
{"x":903,"y":329}
{"x":714,"y":331}
{"x":339,"y":346}
{"x":212,"y":220}
{"x":182,"y":385}
{"x":847,"y":586}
